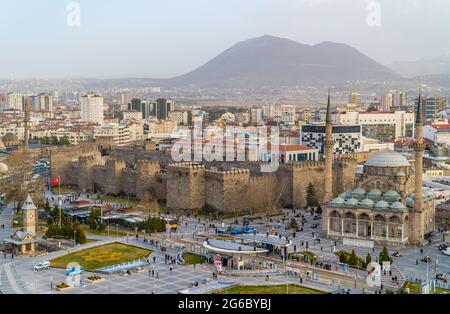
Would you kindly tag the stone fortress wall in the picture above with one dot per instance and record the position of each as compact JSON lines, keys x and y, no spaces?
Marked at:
{"x":228,"y":187}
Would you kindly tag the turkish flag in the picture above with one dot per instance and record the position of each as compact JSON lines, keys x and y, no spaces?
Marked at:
{"x":56,"y":181}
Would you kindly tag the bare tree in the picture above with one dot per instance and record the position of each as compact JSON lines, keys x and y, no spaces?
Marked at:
{"x":17,"y":183}
{"x":265,"y":196}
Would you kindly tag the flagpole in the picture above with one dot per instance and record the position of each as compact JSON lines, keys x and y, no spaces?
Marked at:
{"x":59,"y":200}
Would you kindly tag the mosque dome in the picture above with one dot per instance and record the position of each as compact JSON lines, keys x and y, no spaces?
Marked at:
{"x":398,"y":206}
{"x":366,"y":202}
{"x":10,"y":137}
{"x":344,"y":195}
{"x":409,"y":202}
{"x":387,"y":159}
{"x":338,"y":201}
{"x":351,"y":202}
{"x":374,"y":194}
{"x":391,"y":195}
{"x":359,"y":191}
{"x":382,"y":204}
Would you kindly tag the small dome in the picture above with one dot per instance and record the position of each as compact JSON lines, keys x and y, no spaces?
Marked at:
{"x":338,"y":201}
{"x":344,"y":195}
{"x":375,"y":192}
{"x":391,"y":195}
{"x":398,"y":206}
{"x":409,"y":202}
{"x":366,"y":202}
{"x":387,"y":159}
{"x":351,"y":202}
{"x":10,"y":137}
{"x":382,"y":204}
{"x":359,"y":191}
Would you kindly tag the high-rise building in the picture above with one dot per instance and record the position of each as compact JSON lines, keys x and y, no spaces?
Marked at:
{"x":347,"y":138}
{"x":92,"y":108}
{"x":383,"y":126}
{"x":355,"y":98}
{"x":257,"y":115}
{"x":163,"y":107}
{"x":15,"y":101}
{"x":431,"y":106}
{"x":45,"y":102}
{"x":146,"y":109}
{"x":403,"y":99}
{"x":123,"y":99}
{"x":135,"y":104}
{"x":387,"y":101}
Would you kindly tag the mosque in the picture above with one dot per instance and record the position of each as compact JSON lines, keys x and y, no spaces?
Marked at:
{"x":387,"y":204}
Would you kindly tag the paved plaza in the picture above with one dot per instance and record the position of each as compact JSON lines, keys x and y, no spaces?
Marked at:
{"x":17,"y":276}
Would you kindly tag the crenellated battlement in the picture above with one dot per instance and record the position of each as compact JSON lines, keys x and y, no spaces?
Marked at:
{"x":216,"y":174}
{"x":187,"y":165}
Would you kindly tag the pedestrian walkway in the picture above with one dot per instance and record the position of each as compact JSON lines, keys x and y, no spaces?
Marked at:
{"x":10,"y":284}
{"x":6,"y":218}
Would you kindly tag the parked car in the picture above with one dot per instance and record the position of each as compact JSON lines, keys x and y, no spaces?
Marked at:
{"x":396,"y":254}
{"x":248,"y":230}
{"x":138,"y":269}
{"x":206,"y":280}
{"x":442,"y":277}
{"x":442,"y":247}
{"x":42,"y":266}
{"x":194,"y":284}
{"x":426,"y":259}
{"x":236,"y":231}
{"x":446,"y":251}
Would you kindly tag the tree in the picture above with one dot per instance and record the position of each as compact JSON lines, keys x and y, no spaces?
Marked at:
{"x":266,"y":197}
{"x":80,"y":236}
{"x":155,"y":224}
{"x":311,"y":198}
{"x":64,"y":140}
{"x":353,"y":260}
{"x":54,"y":140}
{"x":319,"y":210}
{"x":17,"y":183}
{"x":368,"y":259}
{"x":293,"y":224}
{"x":94,"y":218}
{"x":384,"y":256}
{"x":343,"y":258}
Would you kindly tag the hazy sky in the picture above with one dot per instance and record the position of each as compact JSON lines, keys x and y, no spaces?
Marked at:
{"x":161,"y":38}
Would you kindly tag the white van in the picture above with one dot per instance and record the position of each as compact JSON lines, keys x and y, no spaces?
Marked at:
{"x":446,"y":251}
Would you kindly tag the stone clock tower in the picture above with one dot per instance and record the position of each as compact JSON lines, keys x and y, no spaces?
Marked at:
{"x":29,"y":216}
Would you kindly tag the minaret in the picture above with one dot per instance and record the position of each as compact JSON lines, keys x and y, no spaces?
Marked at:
{"x":419,"y":147}
{"x":329,"y":144}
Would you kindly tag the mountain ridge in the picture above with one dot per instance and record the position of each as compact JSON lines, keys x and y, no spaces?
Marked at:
{"x":275,"y":61}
